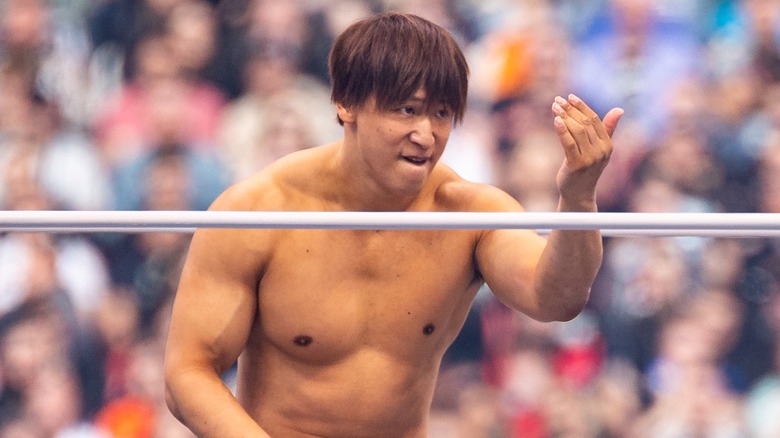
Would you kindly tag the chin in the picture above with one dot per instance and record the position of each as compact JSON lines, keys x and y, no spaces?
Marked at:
{"x":410,"y":189}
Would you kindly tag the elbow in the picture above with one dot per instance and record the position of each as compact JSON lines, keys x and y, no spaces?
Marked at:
{"x":171,"y":377}
{"x":170,"y":399}
{"x":564,"y":310}
{"x":568,"y":314}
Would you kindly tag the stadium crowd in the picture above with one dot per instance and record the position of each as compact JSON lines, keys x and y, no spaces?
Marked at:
{"x":161,"y":104}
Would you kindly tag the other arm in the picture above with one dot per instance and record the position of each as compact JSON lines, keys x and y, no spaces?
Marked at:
{"x":551,"y":280}
{"x":213,"y":314}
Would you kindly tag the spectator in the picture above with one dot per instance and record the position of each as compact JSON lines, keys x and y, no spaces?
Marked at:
{"x":61,"y":159}
{"x":691,"y":394}
{"x":276,"y":115}
{"x":142,"y":412}
{"x":528,"y":172}
{"x":325,"y":21}
{"x":52,"y":49}
{"x":39,"y":336}
{"x":37,"y":264}
{"x":161,"y":105}
{"x":55,"y":404}
{"x":117,"y":326}
{"x":173,"y":178}
{"x":192,"y":31}
{"x":117,"y":27}
{"x":631,"y":56}
{"x":763,"y":401}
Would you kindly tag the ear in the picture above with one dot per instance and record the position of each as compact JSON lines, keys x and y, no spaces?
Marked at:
{"x":346,"y":115}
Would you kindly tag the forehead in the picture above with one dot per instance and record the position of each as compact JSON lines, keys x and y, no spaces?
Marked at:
{"x":421,"y":97}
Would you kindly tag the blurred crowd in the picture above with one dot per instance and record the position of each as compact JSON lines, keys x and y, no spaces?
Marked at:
{"x":161,"y":104}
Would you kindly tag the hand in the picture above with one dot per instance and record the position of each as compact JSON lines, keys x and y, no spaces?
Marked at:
{"x":587,"y":146}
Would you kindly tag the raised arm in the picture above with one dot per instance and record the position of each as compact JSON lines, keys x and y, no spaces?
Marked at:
{"x":212,"y":317}
{"x":551,"y":280}
{"x":571,"y":259}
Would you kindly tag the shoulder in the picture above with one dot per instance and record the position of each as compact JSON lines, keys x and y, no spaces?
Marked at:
{"x":279,"y":187}
{"x":454,"y":193}
{"x":283,"y":185}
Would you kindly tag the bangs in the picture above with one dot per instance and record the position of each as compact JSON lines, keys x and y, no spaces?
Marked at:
{"x":391,"y":56}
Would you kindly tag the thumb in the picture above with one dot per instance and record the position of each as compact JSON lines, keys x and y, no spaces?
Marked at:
{"x":611,"y":119}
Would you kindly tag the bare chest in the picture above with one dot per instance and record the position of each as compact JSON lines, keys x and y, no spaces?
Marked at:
{"x":326,"y":294}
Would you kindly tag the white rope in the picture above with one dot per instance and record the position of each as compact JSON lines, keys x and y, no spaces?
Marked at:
{"x":650,"y":224}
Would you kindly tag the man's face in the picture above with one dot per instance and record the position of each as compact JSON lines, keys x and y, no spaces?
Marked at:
{"x":400,"y":145}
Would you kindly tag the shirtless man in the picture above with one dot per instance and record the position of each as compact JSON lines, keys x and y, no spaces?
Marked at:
{"x":340,"y":333}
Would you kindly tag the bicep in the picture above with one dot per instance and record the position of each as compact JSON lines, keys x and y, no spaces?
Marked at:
{"x":216,"y":301}
{"x":507,"y":261}
{"x":507,"y":258}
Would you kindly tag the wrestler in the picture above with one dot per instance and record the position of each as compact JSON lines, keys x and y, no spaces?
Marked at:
{"x":340,"y":333}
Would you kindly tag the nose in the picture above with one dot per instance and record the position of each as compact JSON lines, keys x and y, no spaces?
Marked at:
{"x":422,"y":135}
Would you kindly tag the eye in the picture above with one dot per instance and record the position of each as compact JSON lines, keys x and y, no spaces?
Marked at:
{"x":443,"y":113}
{"x":407,"y":110}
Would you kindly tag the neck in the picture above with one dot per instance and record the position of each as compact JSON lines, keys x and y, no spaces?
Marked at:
{"x":358,"y":190}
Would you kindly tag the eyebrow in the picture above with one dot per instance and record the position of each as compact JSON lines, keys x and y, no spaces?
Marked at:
{"x":415,"y":99}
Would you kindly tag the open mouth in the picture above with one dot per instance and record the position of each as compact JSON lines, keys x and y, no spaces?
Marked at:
{"x":416,"y":160}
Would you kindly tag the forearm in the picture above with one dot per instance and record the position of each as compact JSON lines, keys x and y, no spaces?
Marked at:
{"x":567,"y":268}
{"x":203,"y":403}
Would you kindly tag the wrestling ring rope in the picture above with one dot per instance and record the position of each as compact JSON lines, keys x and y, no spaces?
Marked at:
{"x":738,"y":225}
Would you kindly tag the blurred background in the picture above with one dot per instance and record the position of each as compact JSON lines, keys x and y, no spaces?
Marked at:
{"x":161,"y":104}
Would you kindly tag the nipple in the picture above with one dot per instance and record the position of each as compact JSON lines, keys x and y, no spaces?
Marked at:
{"x":303,"y":341}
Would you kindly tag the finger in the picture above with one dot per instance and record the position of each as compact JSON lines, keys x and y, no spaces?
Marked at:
{"x":571,"y":110}
{"x":590,"y":115}
{"x":570,"y":150}
{"x":589,"y":123}
{"x":611,"y":120}
{"x":575,"y":129}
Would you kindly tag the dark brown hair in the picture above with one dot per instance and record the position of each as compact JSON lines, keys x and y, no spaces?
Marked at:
{"x":390,"y":56}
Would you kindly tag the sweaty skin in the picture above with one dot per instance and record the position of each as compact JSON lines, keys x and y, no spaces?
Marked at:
{"x":341,"y":332}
